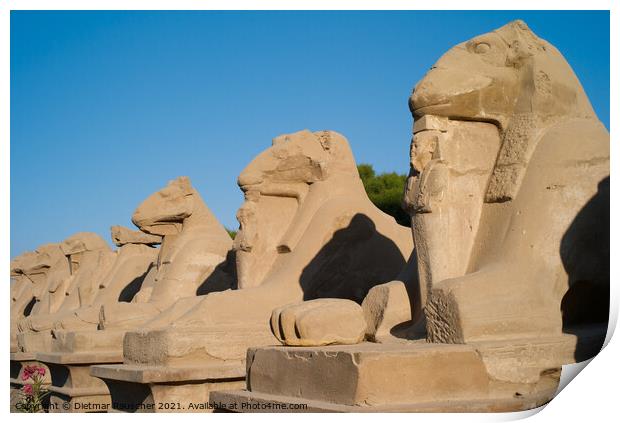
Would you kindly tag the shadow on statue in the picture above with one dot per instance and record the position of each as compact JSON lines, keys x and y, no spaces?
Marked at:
{"x":347,"y":266}
{"x":223,"y":277}
{"x":585,"y":255}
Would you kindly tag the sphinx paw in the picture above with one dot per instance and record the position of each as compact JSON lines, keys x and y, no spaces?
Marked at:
{"x":319,"y":322}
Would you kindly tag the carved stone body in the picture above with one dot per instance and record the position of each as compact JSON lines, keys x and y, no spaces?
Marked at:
{"x":23,"y":289}
{"x":32,"y":272}
{"x":89,"y":259}
{"x":120,"y":284}
{"x":508,"y":193}
{"x":49,"y":271}
{"x":190,"y":261}
{"x":509,"y":196}
{"x":545,"y":201}
{"x":308,"y":230}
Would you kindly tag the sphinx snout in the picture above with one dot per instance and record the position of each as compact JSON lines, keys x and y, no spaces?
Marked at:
{"x":428,"y":93}
{"x":249,"y":178}
{"x":139,"y":219}
{"x":442,"y":91}
{"x":136,"y":217}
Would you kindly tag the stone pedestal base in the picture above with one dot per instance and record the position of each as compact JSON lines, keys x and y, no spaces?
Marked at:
{"x":242,"y":401}
{"x":156,"y":389}
{"x":35,"y":341}
{"x":89,"y":341}
{"x":510,"y":375}
{"x":73,"y":389}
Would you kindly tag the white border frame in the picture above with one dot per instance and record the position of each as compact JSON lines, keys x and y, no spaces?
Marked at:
{"x":591,"y":396}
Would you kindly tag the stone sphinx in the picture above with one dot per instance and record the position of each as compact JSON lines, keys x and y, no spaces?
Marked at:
{"x":545,"y":195}
{"x":28,"y":282}
{"x":48,"y":269}
{"x":23,"y":290}
{"x":89,"y":258}
{"x":191,"y":260}
{"x":119,"y":284}
{"x":31,"y":273}
{"x":307,"y":230}
{"x":509,"y":197}
{"x":74,"y":268}
{"x":21,"y":285}
{"x":194,"y":250}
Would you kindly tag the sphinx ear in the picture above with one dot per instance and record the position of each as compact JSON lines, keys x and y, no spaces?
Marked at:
{"x":340,"y":156}
{"x":331,"y":142}
{"x":325,"y":139}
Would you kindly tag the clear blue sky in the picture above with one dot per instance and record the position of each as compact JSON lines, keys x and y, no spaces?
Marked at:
{"x":106,"y":107}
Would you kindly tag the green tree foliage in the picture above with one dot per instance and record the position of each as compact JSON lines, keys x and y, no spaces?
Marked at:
{"x":385,"y":191}
{"x":231,"y":232}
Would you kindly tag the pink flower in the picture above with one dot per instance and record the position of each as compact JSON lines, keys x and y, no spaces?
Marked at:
{"x":31,"y":371}
{"x":28,"y":372}
{"x":27,"y":389}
